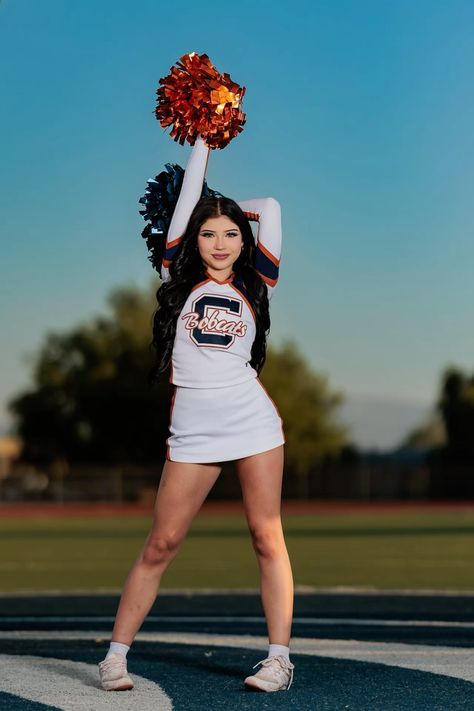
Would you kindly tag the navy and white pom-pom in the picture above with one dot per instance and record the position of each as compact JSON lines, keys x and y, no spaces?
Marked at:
{"x":159,"y":200}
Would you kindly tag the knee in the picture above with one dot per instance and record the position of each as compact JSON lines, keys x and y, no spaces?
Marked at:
{"x":160,"y":549}
{"x":267,"y":539}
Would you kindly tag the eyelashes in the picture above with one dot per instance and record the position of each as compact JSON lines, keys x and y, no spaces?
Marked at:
{"x":209,"y":234}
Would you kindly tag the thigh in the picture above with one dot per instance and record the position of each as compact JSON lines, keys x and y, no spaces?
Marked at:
{"x":261,"y":477}
{"x":182,"y":490}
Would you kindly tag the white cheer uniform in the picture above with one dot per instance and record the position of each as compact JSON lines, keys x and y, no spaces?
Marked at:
{"x":220,"y":410}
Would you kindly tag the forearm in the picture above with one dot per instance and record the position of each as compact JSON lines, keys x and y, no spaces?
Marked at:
{"x":191,"y":189}
{"x":189,"y":195}
{"x":267,"y":212}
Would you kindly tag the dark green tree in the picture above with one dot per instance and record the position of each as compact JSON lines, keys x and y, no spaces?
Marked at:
{"x":90,"y":400}
{"x":451,"y":463}
{"x":456,"y":405}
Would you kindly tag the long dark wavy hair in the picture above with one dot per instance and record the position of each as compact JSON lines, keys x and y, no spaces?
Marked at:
{"x":185,"y":271}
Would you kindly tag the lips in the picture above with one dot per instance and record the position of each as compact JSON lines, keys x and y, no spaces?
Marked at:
{"x":220,"y":256}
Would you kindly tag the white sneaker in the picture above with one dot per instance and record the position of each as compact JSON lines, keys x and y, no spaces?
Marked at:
{"x":113,"y":673}
{"x":276,"y":674}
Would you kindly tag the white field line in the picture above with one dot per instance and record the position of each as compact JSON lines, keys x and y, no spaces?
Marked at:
{"x":71,"y":686}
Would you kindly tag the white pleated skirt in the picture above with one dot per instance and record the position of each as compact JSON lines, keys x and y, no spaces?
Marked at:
{"x":222,"y":424}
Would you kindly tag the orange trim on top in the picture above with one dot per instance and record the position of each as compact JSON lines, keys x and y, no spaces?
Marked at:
{"x":270,"y":256}
{"x":174,"y":242}
{"x":226,"y":281}
{"x":252,"y":215}
{"x":267,"y":280}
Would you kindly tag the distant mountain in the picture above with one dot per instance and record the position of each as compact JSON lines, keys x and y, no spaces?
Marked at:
{"x":381,"y":422}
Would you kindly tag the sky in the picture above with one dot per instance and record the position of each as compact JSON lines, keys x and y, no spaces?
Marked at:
{"x":359,"y":122}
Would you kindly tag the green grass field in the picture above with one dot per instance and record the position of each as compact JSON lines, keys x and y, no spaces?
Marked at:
{"x":384,"y":550}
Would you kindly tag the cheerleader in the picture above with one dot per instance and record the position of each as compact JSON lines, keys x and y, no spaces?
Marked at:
{"x":210,"y":332}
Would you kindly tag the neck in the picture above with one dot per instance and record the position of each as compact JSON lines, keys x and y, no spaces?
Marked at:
{"x":219,"y":274}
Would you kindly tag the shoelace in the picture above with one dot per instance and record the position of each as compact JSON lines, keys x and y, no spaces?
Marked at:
{"x":285,"y":665}
{"x":119,"y":660}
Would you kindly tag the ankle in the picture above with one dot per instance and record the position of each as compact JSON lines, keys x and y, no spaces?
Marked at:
{"x":279,"y":649}
{"x":118,"y":648}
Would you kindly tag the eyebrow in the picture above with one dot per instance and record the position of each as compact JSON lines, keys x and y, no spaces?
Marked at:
{"x":206,"y":229}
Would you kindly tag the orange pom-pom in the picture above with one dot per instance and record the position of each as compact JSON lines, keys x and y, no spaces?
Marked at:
{"x":196,"y":99}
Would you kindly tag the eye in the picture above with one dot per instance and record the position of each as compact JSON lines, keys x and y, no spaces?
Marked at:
{"x":232,"y":234}
{"x":206,"y":234}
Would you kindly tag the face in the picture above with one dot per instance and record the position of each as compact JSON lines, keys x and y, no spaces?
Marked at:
{"x":219,"y":236}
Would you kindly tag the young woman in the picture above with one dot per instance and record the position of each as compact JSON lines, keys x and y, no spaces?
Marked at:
{"x":210,"y":329}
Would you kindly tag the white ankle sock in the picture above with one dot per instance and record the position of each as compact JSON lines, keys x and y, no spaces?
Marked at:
{"x":117,"y":648}
{"x":279,"y":649}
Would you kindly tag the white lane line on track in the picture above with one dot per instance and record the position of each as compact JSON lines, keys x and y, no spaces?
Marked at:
{"x":233,"y":618}
{"x":457,"y":662}
{"x":71,"y":686}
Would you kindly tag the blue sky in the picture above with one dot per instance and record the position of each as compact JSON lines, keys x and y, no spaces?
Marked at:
{"x":359,"y":121}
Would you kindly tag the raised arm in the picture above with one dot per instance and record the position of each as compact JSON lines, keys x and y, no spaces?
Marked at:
{"x":267,"y":212}
{"x":190,"y":193}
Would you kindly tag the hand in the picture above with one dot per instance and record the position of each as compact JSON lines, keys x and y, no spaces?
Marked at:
{"x":203,"y":141}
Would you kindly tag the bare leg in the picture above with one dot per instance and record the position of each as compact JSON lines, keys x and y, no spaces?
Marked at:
{"x":261,"y":477}
{"x":182,"y":490}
